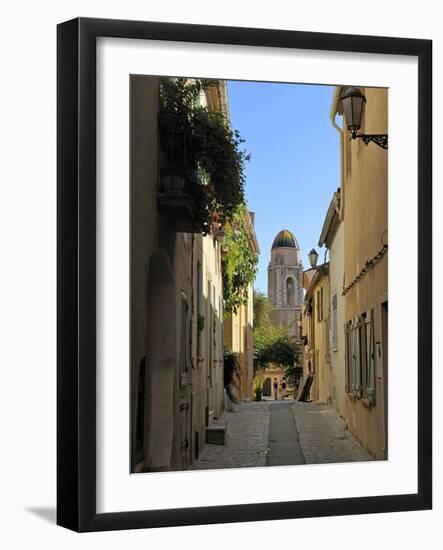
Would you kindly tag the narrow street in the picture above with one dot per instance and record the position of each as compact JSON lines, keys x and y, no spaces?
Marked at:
{"x":282,"y":432}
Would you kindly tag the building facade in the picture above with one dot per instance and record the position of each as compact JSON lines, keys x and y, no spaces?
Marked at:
{"x":285,"y":283}
{"x":239,"y":325}
{"x":176,"y":347}
{"x":345,"y":316}
{"x":364,"y":194}
{"x":332,"y":236}
{"x":316,"y":326}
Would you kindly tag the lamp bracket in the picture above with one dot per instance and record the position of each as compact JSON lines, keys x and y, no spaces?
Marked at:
{"x":379,"y":139}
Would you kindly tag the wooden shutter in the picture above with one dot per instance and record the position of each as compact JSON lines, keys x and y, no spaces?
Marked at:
{"x":347,"y":358}
{"x":356,"y":357}
{"x":334,"y":323}
{"x":370,"y":356}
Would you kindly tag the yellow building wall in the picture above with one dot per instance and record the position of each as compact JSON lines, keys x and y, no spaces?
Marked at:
{"x":365,"y":196}
{"x":322,"y":359}
{"x":238,"y":336}
{"x":336,"y":267}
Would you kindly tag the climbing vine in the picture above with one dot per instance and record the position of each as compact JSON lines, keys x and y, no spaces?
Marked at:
{"x":240,"y":263}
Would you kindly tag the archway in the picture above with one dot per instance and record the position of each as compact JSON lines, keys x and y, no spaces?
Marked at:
{"x":267,"y":387}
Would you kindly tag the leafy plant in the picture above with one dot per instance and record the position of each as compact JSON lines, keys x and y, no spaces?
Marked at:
{"x":239,"y":265}
{"x":261,"y":309}
{"x":273,"y":345}
{"x":199,"y":146}
{"x":258,"y":382}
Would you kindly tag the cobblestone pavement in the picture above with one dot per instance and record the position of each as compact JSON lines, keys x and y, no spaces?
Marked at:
{"x":324,"y":437}
{"x":246,"y":439}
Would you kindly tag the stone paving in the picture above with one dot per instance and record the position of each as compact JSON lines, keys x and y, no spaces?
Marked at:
{"x":283,"y":442}
{"x":322,"y":437}
{"x":246,"y":439}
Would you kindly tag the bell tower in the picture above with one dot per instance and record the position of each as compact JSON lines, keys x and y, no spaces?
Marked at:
{"x":285,"y":283}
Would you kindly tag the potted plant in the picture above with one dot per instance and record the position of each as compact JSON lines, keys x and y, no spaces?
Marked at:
{"x":257,"y":386}
{"x":201,"y":155}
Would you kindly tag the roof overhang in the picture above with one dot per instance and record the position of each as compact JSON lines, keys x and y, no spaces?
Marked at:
{"x":332,"y":221}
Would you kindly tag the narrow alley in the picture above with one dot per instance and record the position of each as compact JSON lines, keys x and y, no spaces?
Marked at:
{"x":282,"y":432}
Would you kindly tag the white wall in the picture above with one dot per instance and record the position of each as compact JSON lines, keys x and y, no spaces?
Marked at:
{"x":27,"y":286}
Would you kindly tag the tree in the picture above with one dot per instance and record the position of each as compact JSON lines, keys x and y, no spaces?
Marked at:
{"x":273,"y":345}
{"x":261,"y":309}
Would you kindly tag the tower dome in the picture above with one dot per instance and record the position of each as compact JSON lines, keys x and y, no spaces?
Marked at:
{"x":285,"y":239}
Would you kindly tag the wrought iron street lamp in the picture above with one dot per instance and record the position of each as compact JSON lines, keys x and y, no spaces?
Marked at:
{"x":353,"y":102}
{"x":313,"y":257}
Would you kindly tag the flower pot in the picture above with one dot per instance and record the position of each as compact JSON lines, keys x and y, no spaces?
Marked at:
{"x":258,"y":395}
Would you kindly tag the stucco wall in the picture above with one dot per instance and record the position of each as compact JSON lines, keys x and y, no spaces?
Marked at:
{"x":365,"y":214}
{"x":322,"y":359}
{"x":177,"y":405}
{"x":336,"y":263}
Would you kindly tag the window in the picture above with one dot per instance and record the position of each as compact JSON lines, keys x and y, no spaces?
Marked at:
{"x":326,"y":332}
{"x":370,"y":356}
{"x":183,"y":339}
{"x":360,"y":356}
{"x":210,"y":334}
{"x":334,"y":323}
{"x":348,"y":355}
{"x":356,"y":357}
{"x":353,"y":357}
{"x":199,"y":308}
{"x":290,"y":289}
{"x":320,"y":304}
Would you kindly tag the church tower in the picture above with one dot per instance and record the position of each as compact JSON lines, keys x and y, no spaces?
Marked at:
{"x":285,"y":283}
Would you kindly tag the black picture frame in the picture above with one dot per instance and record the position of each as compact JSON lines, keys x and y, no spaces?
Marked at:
{"x":76,"y":266}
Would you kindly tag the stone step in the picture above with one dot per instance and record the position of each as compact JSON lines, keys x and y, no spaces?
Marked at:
{"x":216,"y":435}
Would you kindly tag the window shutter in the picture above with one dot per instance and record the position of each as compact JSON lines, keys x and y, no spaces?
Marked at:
{"x":353,"y":357}
{"x":370,"y":358}
{"x":358,"y":365}
{"x":347,"y":362}
{"x":356,"y":356}
{"x":334,"y":323}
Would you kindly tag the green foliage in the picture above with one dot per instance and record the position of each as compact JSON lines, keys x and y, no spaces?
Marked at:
{"x":239,"y":265}
{"x":258,"y":381}
{"x":293,"y":374}
{"x":199,"y":145}
{"x":261,"y":309}
{"x":273,"y":345}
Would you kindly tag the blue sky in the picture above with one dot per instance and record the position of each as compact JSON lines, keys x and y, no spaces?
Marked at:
{"x":294,"y":168}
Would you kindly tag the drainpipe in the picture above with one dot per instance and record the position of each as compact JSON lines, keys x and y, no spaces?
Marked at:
{"x":333,"y":112}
